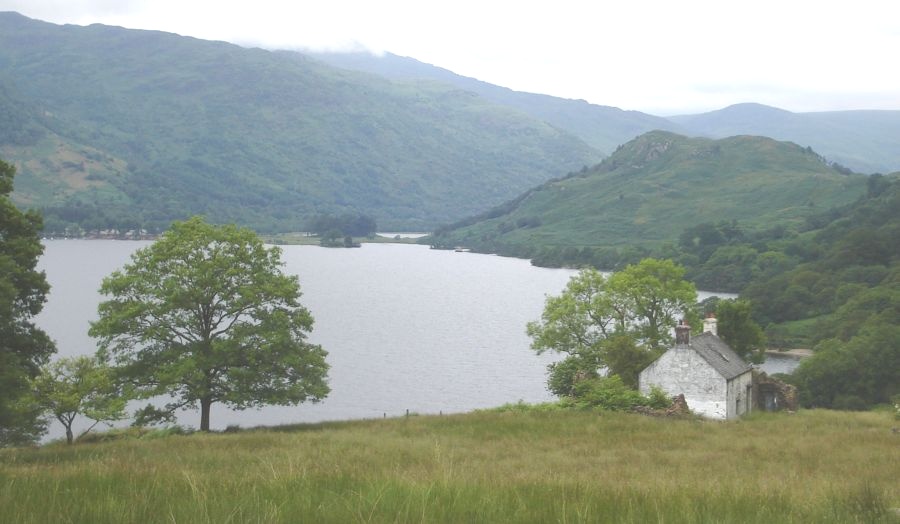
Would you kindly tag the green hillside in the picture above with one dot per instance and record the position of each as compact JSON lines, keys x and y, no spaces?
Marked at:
{"x":654,"y":187}
{"x":602,"y":127}
{"x":166,"y":126}
{"x":51,"y":167}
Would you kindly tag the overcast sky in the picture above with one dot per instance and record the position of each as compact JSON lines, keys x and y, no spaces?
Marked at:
{"x":659,"y":56}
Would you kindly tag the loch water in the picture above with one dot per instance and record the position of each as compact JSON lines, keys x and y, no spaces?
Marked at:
{"x":406,"y":327}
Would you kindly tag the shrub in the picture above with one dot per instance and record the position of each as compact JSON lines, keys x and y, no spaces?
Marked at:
{"x":607,"y":393}
{"x":658,"y":398}
{"x":166,"y":432}
{"x":523,"y":407}
{"x":564,"y":375}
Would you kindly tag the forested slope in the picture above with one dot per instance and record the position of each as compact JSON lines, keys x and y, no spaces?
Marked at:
{"x":652,"y":189}
{"x":151,"y":126}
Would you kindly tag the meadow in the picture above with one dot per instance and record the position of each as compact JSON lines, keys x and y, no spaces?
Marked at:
{"x":513,"y":465}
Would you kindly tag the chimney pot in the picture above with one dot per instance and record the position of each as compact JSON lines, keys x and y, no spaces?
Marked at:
{"x":710,"y":324}
{"x":682,"y":334}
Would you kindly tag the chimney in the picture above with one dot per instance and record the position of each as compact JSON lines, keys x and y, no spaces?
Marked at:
{"x":682,"y":334}
{"x":709,"y":324}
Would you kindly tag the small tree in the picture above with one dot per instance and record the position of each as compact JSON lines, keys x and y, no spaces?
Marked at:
{"x":620,"y":322}
{"x":737,"y":328}
{"x":77,"y":386}
{"x":205,"y":315}
{"x":330,"y":238}
{"x":624,"y":358}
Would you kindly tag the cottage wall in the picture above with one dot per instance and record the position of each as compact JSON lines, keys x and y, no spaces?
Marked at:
{"x":740,"y":396}
{"x":682,"y":370}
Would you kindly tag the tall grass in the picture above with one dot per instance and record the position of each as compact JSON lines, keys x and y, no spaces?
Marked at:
{"x":557,"y":466}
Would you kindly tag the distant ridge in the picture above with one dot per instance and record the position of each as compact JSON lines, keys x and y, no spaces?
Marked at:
{"x":864,"y":141}
{"x":735,"y":119}
{"x":603,"y":127}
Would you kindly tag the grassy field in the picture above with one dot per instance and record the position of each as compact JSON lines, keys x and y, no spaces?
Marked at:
{"x":556,"y":466}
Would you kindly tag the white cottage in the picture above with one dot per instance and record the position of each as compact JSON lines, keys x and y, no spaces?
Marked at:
{"x":715,"y":381}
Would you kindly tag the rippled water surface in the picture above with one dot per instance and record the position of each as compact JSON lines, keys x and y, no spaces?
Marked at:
{"x":406,"y":327}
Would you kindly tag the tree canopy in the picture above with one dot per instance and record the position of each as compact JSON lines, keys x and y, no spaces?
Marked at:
{"x":23,"y":291}
{"x":657,"y":294}
{"x":620,"y":322}
{"x":737,"y":328}
{"x":855,"y":374}
{"x":205,"y":315}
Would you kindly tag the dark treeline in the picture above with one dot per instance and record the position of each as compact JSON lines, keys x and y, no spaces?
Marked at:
{"x":76,"y":218}
{"x":347,"y":224}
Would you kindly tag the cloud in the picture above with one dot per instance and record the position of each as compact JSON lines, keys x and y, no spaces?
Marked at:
{"x":648,"y":55}
{"x":72,"y":11}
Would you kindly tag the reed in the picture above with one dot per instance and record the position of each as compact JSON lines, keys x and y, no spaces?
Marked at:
{"x":527,"y":466}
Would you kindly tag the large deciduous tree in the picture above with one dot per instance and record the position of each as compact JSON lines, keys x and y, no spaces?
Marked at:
{"x":206,"y":316}
{"x":620,"y":322}
{"x":657,"y":294}
{"x":23,"y":291}
{"x":583,"y":315}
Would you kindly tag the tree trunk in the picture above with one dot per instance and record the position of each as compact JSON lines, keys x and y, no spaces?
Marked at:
{"x":70,"y":438}
{"x":205,"y":403}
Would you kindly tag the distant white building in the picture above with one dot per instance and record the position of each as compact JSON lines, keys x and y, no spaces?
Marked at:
{"x":715,"y":381}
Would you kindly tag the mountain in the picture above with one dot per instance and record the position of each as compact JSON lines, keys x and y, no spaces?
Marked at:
{"x":602,"y":127}
{"x":864,"y":141}
{"x":117,"y":126}
{"x":656,"y":186}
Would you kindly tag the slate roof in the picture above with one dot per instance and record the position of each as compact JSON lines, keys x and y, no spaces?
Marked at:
{"x":719,"y":355}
